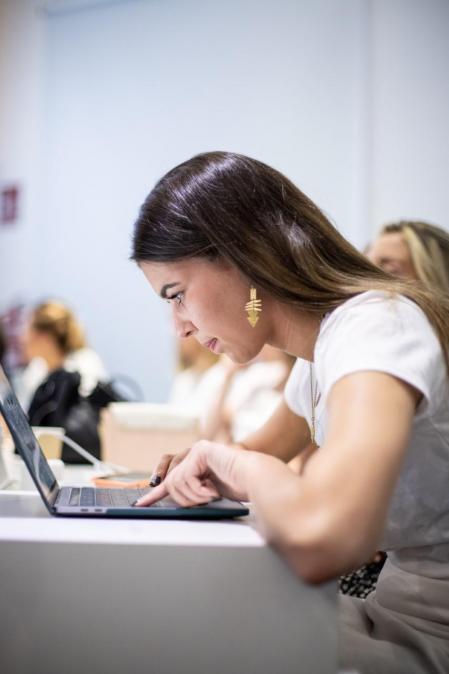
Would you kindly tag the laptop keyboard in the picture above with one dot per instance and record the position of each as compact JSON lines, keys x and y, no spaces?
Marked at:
{"x":105,"y":498}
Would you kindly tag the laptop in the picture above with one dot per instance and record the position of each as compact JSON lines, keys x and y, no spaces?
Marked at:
{"x":93,"y":501}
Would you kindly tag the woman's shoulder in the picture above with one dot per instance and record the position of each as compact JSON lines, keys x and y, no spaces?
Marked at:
{"x":376,"y":309}
{"x":380,"y":332}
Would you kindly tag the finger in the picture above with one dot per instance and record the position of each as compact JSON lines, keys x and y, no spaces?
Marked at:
{"x":177,"y":459}
{"x":203,"y":488}
{"x":161,"y":470}
{"x":155,"y":495}
{"x":182,"y":497}
{"x":193,"y":491}
{"x":208,"y":484}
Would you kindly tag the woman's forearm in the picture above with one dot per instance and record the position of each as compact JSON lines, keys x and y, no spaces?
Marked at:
{"x":301,"y":520}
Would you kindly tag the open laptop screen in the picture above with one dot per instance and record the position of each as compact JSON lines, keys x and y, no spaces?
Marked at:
{"x":24,"y":439}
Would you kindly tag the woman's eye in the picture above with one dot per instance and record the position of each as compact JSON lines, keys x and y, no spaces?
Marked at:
{"x":177,"y":298}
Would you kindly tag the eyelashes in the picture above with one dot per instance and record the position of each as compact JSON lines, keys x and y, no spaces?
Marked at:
{"x":178,"y":298}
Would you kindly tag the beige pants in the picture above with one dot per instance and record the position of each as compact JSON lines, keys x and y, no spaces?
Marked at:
{"x":402,"y":628}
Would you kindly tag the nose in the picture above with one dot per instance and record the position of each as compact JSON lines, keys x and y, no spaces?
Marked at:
{"x":183,"y":327}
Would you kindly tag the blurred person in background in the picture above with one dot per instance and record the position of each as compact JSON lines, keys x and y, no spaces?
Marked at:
{"x":247,"y":395}
{"x":54,"y":339}
{"x":62,"y":371}
{"x":231,"y":400}
{"x":413,"y":249}
{"x":192,"y":382}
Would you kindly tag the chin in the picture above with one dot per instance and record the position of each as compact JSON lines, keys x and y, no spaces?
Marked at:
{"x":241,"y":361}
{"x":240,"y":358}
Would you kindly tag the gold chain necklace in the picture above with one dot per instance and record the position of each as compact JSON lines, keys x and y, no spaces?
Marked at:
{"x":314,"y":398}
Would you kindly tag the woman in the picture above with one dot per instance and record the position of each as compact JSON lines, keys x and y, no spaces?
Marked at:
{"x":413,"y":249}
{"x":54,"y":339}
{"x":231,"y":400}
{"x":246,"y":395}
{"x":62,"y":369}
{"x":245,"y":259}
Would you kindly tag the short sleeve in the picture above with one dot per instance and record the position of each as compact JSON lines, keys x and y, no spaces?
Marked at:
{"x":374,"y":332}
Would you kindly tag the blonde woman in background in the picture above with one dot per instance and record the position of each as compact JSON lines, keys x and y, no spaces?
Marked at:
{"x":413,"y":249}
{"x":190,"y":385}
{"x":54,"y":339}
{"x":247,"y":395}
{"x":231,"y":400}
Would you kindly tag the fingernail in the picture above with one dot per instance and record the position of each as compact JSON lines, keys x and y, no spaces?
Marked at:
{"x":155,"y":480}
{"x":135,"y":503}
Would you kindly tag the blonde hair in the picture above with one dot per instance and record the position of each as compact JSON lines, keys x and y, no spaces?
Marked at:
{"x":429,"y":251}
{"x":55,"y":319}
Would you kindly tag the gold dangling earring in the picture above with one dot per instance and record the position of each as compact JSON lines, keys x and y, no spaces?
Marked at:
{"x":253,"y":308}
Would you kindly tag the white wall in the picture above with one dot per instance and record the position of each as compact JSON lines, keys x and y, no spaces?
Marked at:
{"x":410,"y":111}
{"x":21,"y":80}
{"x":318,"y":89}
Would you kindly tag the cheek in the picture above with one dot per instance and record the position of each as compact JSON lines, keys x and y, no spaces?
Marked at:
{"x":409,"y":269}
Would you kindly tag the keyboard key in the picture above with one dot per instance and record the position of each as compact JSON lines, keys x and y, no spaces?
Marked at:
{"x":64,"y":496}
{"x":87,"y":497}
{"x":74,"y":497}
{"x":102,"y":498}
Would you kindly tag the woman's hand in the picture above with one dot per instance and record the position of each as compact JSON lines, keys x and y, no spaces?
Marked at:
{"x":166,"y":464}
{"x":208,"y":470}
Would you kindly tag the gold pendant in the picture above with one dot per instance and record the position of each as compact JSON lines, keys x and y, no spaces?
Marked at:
{"x":253,"y":307}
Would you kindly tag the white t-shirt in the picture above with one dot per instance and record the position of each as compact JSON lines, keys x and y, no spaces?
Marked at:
{"x":376,"y":332}
{"x":251,"y":399}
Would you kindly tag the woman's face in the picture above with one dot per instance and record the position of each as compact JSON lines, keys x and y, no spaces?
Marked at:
{"x":391,"y":253}
{"x":208,"y":302}
{"x":33,"y":342}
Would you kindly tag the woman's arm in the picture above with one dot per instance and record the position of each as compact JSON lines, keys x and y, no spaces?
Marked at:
{"x":329,"y":519}
{"x":284,"y":435}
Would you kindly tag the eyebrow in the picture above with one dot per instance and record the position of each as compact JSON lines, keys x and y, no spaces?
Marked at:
{"x":166,"y":287}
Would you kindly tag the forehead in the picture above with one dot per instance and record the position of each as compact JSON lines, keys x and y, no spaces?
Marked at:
{"x":181,"y":272}
{"x":391,"y":245}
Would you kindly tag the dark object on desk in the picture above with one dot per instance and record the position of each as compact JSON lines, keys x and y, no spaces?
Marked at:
{"x":58,"y":402}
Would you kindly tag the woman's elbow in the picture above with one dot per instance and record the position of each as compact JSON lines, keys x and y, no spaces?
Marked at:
{"x":319,"y":551}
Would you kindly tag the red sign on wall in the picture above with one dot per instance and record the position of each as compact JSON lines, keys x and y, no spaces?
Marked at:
{"x":9,"y":205}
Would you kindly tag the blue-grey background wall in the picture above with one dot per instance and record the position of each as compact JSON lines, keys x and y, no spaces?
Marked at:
{"x":350,"y":99}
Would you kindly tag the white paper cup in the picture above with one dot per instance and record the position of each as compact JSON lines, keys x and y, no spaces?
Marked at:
{"x":50,"y":440}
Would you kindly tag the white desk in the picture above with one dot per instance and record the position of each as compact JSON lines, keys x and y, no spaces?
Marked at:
{"x":128,"y":596}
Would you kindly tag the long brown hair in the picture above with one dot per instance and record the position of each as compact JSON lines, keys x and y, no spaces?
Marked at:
{"x":221,"y":204}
